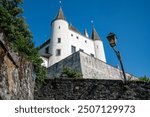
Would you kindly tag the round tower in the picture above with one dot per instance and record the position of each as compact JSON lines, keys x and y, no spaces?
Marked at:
{"x":59,"y":39}
{"x":98,"y":45}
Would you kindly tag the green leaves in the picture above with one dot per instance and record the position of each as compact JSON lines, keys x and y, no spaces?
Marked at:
{"x":18,"y":1}
{"x":18,"y":34}
{"x":144,"y":79}
{"x":70,"y":73}
{"x":15,"y":11}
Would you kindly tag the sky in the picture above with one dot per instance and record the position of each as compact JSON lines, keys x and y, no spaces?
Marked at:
{"x":128,"y":19}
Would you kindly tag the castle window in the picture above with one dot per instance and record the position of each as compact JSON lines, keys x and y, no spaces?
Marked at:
{"x":58,"y":52}
{"x":85,"y":41}
{"x":73,"y":49}
{"x":59,"y":40}
{"x":77,"y":37}
{"x":59,"y":27}
{"x":92,"y":55}
{"x":47,"y":50}
{"x":81,"y":50}
{"x":97,"y":46}
{"x":71,"y":35}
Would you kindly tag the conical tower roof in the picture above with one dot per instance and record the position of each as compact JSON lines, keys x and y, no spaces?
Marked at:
{"x":95,"y":35}
{"x":60,"y":14}
{"x":85,"y":33}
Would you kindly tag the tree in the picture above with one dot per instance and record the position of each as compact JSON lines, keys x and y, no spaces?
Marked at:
{"x":14,"y":26}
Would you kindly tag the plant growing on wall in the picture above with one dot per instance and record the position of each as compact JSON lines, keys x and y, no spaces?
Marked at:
{"x":70,"y":73}
{"x":16,"y":30}
{"x":144,"y":79}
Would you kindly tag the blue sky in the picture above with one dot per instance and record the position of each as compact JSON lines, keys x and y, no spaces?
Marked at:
{"x":128,"y":19}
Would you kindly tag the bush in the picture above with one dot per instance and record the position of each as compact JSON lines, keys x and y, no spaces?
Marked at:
{"x":144,"y":79}
{"x":70,"y":73}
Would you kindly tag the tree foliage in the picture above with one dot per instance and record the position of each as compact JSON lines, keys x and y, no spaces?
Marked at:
{"x":14,"y":26}
{"x":144,"y":79}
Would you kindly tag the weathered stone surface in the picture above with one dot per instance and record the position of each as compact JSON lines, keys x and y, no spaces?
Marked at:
{"x":92,"y":89}
{"x":90,"y":68}
{"x":15,"y":75}
{"x":72,"y":61}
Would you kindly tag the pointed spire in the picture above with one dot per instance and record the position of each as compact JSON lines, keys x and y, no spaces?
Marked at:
{"x":85,"y":33}
{"x":95,"y":35}
{"x":60,"y":14}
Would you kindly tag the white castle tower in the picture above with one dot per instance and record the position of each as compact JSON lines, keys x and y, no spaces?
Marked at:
{"x":66,"y":40}
{"x":60,"y":39}
{"x":98,"y":46}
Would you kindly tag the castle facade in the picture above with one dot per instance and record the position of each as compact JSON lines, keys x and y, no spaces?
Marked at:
{"x":66,"y":40}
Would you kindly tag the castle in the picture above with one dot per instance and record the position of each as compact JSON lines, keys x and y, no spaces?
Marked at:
{"x":66,"y":40}
{"x":69,"y":48}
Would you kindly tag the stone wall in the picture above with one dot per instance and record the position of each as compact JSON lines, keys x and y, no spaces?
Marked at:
{"x":15,"y":74}
{"x":72,"y":61}
{"x":96,"y":69}
{"x":91,"y":89}
{"x":90,"y":68}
